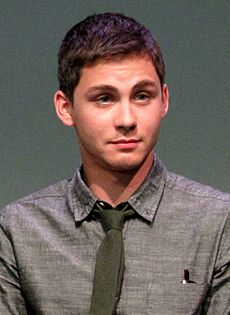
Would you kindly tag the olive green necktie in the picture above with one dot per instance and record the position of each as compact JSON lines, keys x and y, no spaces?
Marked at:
{"x":109,"y":266}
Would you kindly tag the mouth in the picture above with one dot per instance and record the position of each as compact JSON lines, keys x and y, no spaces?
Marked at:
{"x":124,"y":143}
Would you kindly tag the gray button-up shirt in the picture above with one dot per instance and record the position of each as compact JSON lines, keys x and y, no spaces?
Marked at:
{"x":48,"y":247}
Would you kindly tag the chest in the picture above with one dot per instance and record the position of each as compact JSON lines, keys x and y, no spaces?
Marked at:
{"x":61,"y":267}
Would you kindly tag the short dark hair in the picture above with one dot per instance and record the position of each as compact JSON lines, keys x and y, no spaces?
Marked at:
{"x":104,"y":36}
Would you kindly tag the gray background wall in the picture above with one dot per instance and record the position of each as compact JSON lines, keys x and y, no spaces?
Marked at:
{"x":36,"y":150}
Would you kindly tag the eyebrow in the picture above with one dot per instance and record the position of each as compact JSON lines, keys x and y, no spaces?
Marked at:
{"x":109,"y":88}
{"x":104,"y":87}
{"x":145,"y":83}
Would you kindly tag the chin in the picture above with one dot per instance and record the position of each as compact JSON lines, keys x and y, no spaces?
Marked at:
{"x":124,"y":168}
{"x":126,"y":165}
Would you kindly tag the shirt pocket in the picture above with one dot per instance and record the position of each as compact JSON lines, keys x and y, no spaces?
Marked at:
{"x":177,"y":298}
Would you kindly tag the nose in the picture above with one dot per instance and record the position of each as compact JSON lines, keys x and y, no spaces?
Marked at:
{"x":125,"y":117}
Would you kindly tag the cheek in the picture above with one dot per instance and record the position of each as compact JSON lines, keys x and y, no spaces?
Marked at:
{"x":89,"y":131}
{"x":150,"y":120}
{"x":91,"y":120}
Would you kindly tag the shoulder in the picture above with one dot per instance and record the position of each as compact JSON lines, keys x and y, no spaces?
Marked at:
{"x":198,"y":206}
{"x":193,"y":189}
{"x":197,"y":199}
{"x":53,"y":191}
{"x":52,"y":195}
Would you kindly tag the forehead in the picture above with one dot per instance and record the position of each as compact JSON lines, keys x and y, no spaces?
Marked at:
{"x":126,"y":71}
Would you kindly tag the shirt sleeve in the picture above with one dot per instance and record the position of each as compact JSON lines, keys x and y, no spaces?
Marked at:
{"x":11,"y":299}
{"x":218,"y":302}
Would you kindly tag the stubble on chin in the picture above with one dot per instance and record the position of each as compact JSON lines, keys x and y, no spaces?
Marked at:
{"x":126,"y":166}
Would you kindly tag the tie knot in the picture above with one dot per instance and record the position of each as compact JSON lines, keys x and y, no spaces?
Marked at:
{"x":112,"y":218}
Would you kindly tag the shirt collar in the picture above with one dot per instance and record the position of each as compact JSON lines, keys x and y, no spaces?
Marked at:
{"x":145,"y":200}
{"x":147,"y":197}
{"x":79,"y":198}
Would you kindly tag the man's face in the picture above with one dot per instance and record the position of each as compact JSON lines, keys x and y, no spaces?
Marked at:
{"x":117,"y":109}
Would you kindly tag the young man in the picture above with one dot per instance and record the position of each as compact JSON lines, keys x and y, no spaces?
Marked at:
{"x":177,"y":246}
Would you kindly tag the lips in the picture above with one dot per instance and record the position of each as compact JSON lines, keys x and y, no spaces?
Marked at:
{"x":120,"y":141}
{"x":124,"y":143}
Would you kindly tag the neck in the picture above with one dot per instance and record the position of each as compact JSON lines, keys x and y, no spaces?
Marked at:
{"x":115,"y":187}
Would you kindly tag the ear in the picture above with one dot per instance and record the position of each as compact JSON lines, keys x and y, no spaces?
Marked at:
{"x":165,"y":100}
{"x":63,"y":108}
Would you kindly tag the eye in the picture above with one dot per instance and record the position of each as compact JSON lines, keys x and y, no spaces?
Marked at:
{"x":142,"y":97}
{"x":104,"y":99}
